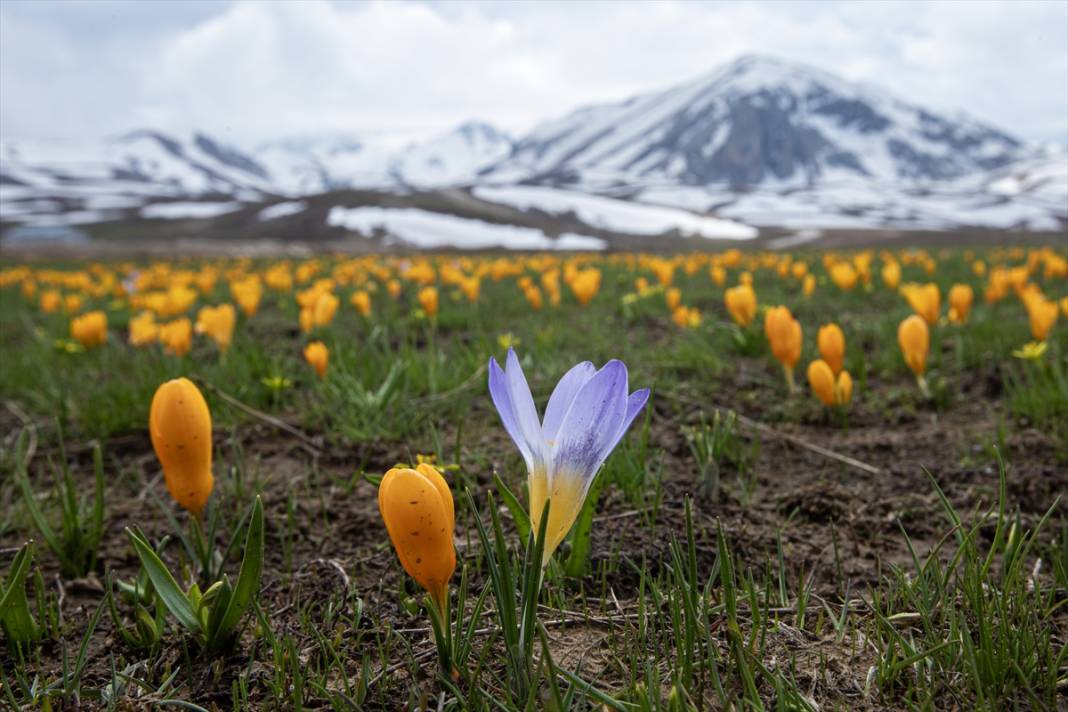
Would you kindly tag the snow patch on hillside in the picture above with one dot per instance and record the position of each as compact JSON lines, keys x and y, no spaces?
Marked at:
{"x":186,"y":210}
{"x":282,"y":210}
{"x":428,"y":230}
{"x":615,"y":215}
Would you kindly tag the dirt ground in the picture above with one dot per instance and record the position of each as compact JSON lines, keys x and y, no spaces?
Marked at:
{"x":837,"y":500}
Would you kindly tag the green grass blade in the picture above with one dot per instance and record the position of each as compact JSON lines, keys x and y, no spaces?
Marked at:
{"x":518,"y":512}
{"x":166,"y":587}
{"x":248,"y":580}
{"x":15,"y":617}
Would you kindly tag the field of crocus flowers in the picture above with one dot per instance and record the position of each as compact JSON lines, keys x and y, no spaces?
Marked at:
{"x":734,"y":480}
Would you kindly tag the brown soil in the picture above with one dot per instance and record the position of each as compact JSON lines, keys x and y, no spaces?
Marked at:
{"x":337,"y":543}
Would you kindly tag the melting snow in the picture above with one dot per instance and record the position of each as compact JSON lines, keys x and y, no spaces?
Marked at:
{"x":281,"y":210}
{"x":615,"y":215}
{"x":172,"y":211}
{"x":425,"y":229}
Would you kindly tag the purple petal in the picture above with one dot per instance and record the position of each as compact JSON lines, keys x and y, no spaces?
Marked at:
{"x":635,"y":404}
{"x":498,"y":388}
{"x":526,"y":413}
{"x":591,"y":427}
{"x":562,"y":397}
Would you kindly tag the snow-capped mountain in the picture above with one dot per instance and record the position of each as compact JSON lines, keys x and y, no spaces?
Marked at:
{"x":761,"y":141}
{"x":757,"y":121}
{"x":142,"y":162}
{"x":452,"y":158}
{"x":301,"y":167}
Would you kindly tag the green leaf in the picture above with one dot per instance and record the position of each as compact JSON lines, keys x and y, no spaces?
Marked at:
{"x":165,"y":585}
{"x":248,"y":580}
{"x":30,"y":498}
{"x":15,"y":618}
{"x":223,"y":596}
{"x":519,"y":514}
{"x":97,"y":515}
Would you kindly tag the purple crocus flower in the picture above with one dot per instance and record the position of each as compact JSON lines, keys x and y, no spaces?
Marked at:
{"x":588,"y":413}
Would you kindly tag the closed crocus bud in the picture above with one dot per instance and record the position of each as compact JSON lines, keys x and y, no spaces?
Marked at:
{"x":428,"y":300}
{"x":925,"y":300}
{"x":808,"y":285}
{"x":844,"y":275}
{"x":91,"y":329}
{"x":1042,"y":314}
{"x":741,"y":304}
{"x":961,"y":297}
{"x":831,"y":343}
{"x":417,"y":507}
{"x":144,"y":329}
{"x":177,"y":336}
{"x":673,"y":297}
{"x":324,"y":309}
{"x":318,"y":356}
{"x":914,"y":339}
{"x":586,"y":285}
{"x":784,"y":335}
{"x":362,"y":301}
{"x":179,"y":424}
{"x":843,"y":388}
{"x":218,"y":323}
{"x":821,"y":380}
{"x":892,"y":274}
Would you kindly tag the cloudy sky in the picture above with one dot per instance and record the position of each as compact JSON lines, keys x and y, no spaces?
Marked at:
{"x":253,"y":71}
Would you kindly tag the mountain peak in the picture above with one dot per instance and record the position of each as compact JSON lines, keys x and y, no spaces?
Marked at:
{"x":753,"y":121}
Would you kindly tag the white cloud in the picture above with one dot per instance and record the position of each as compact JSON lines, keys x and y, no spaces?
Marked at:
{"x":251,"y":71}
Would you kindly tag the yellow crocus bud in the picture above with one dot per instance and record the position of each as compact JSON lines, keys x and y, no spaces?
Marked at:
{"x":844,"y":275}
{"x":91,"y":329}
{"x":218,"y":323}
{"x":362,"y":301}
{"x":843,"y":389}
{"x":914,"y":339}
{"x":821,"y":380}
{"x":1042,"y":314}
{"x":925,"y":300}
{"x":673,"y":297}
{"x":961,"y":297}
{"x":177,"y":336}
{"x":831,"y":343}
{"x":325,"y":308}
{"x":307,"y":320}
{"x":179,"y":424}
{"x":808,"y":285}
{"x":741,"y":304}
{"x":394,"y":288}
{"x":586,"y":284}
{"x":50,"y":301}
{"x":892,"y":274}
{"x":718,"y":275}
{"x":784,"y":336}
{"x":318,"y":356}
{"x":417,"y":507}
{"x":144,"y":329}
{"x":428,"y":300}
{"x":533,"y":295}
